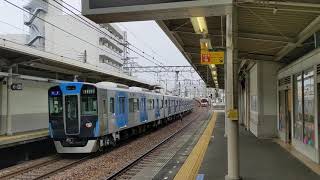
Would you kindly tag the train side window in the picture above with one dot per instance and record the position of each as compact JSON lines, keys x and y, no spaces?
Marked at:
{"x":131,"y":104}
{"x":161,"y":103}
{"x":166,"y":103}
{"x":152,"y":103}
{"x":157,"y":103}
{"x":105,"y":108}
{"x":136,"y":105}
{"x":111,"y":103}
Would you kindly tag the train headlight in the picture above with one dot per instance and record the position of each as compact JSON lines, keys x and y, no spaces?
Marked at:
{"x":89,"y":125}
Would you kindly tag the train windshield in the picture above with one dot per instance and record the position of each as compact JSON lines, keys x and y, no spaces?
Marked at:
{"x":204,"y":100}
{"x":55,"y":102}
{"x":55,"y":106}
{"x":89,"y":106}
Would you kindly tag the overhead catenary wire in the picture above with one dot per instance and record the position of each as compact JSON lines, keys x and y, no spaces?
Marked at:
{"x":47,"y":40}
{"x":59,"y":29}
{"x":65,"y":31}
{"x":82,"y":20}
{"x":143,"y":55}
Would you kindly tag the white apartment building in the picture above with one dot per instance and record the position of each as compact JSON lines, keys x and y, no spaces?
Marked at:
{"x":74,"y":36}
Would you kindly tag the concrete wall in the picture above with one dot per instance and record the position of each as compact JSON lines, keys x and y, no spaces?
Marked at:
{"x":268,"y":103}
{"x":30,"y":106}
{"x":254,"y":99}
{"x":263,"y":99}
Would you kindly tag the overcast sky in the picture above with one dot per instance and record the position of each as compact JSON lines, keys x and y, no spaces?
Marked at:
{"x":146,"y":35}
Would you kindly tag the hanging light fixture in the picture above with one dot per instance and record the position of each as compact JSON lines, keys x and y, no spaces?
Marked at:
{"x":199,"y":25}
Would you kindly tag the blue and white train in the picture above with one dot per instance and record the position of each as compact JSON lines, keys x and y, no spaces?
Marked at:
{"x":84,"y":117}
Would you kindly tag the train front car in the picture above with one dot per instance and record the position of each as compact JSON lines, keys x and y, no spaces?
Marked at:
{"x":73,"y":117}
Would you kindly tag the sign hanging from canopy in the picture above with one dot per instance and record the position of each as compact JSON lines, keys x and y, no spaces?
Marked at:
{"x":212,"y":57}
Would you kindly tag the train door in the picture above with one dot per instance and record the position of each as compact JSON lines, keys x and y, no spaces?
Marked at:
{"x":157,"y":110}
{"x":105,"y":112}
{"x":143,"y":109}
{"x":169,"y":107}
{"x":122,"y":110}
{"x":71,"y":114}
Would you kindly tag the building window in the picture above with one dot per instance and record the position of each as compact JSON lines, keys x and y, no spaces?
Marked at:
{"x":308,"y":92}
{"x":298,"y":115}
{"x":304,"y":128}
{"x":282,"y":111}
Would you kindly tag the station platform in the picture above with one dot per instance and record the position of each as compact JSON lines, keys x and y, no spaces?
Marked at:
{"x":23,"y":138}
{"x":259,"y":159}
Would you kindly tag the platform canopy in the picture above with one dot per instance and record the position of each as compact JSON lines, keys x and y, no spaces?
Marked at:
{"x":41,"y":64}
{"x":277,"y":31}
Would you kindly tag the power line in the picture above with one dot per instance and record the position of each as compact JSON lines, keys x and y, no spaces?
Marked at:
{"x":87,"y":24}
{"x":125,"y":45}
{"x":54,"y":43}
{"x":153,"y":51}
{"x":113,"y":38}
{"x":55,"y":25}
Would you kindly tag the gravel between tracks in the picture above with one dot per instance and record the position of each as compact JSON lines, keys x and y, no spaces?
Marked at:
{"x":106,"y":164}
{"x":25,"y":165}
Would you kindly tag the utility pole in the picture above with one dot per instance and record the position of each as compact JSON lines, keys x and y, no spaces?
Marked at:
{"x":176,"y":83}
{"x":9,"y":102}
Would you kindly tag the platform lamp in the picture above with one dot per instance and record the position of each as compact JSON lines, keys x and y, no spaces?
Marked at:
{"x":199,"y":25}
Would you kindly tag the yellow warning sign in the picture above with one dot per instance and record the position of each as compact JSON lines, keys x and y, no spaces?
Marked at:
{"x":212,"y":57}
{"x":205,"y":57}
{"x":233,"y":114}
{"x":217,"y":57}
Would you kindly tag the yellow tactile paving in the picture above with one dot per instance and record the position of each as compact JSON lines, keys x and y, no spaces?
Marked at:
{"x":23,"y":136}
{"x":190,"y":168}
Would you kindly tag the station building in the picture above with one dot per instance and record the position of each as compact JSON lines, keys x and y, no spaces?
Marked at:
{"x":278,"y":100}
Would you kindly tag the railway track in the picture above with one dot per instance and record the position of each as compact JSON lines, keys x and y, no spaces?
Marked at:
{"x":125,"y":173}
{"x":57,"y":166}
{"x":45,"y":169}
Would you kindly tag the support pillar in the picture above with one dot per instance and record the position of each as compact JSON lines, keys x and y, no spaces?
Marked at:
{"x":9,"y":94}
{"x":231,"y":95}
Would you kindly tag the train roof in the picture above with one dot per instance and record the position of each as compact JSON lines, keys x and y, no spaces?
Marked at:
{"x":122,"y":87}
